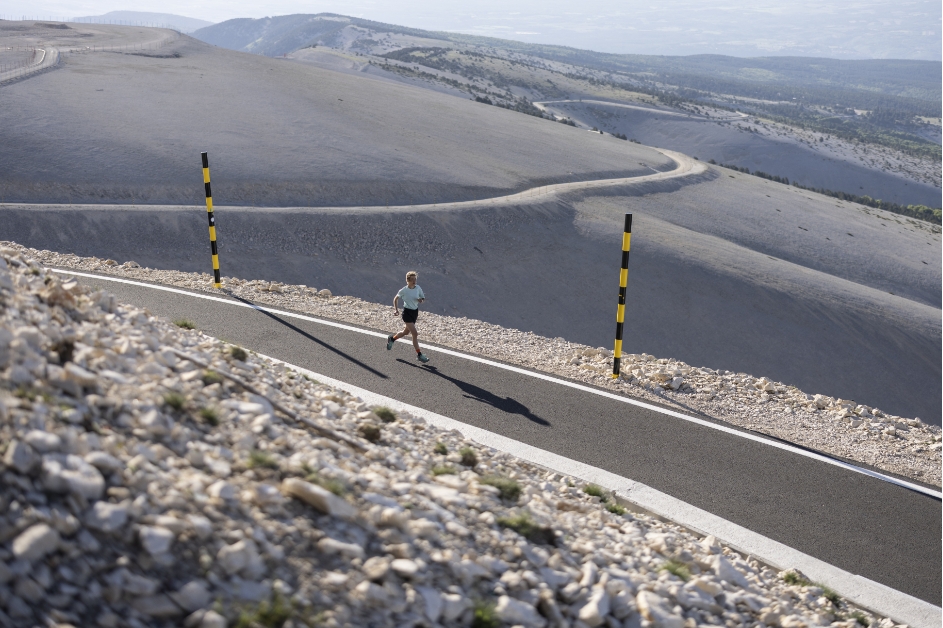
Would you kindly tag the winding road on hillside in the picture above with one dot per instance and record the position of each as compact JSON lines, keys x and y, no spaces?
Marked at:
{"x":736,"y":115}
{"x":881,"y":530}
{"x":684,"y":167}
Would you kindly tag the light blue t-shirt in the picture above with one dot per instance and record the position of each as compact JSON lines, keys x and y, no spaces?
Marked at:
{"x":411,"y":296}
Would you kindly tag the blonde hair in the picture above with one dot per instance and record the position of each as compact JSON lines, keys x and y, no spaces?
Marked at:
{"x":412,"y":274}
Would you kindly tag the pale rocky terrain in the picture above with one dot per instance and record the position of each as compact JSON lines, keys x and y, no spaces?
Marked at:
{"x":154,"y":476}
{"x":775,"y":148}
{"x":905,"y":446}
{"x":874,"y":156}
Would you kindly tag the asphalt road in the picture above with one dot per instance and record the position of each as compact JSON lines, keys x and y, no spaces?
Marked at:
{"x":860,"y":524}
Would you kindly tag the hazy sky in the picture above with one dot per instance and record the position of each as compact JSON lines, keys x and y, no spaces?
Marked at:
{"x":835,"y":28}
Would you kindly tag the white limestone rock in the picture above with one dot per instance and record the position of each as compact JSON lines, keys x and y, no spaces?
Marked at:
{"x":43,"y":442}
{"x":71,"y":474}
{"x":656,"y":610}
{"x":107,"y":517}
{"x":596,"y":609}
{"x":726,"y":571}
{"x":36,"y":542}
{"x":156,"y":539}
{"x":432,"y":602}
{"x":333,"y":546}
{"x":192,"y":596}
{"x":21,"y":456}
{"x":515,"y":612}
{"x":320,"y":498}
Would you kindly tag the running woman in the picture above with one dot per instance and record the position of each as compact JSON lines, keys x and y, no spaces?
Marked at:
{"x":412,"y":295}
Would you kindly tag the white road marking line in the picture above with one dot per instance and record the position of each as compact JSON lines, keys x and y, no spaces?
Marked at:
{"x":549,"y":378}
{"x":871,"y":595}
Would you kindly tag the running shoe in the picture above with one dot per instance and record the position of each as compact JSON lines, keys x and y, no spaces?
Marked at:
{"x":422,"y":358}
{"x":389,"y":342}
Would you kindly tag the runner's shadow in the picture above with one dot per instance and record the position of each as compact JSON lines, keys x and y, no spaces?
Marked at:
{"x":302,"y":332}
{"x":505,"y":404}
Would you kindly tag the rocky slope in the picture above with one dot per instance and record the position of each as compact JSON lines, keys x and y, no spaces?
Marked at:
{"x":905,"y":446}
{"x":153,"y":476}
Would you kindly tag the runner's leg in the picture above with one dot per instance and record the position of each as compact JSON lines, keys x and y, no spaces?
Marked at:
{"x":411,"y":328}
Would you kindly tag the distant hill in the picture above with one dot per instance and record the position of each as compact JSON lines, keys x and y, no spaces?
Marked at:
{"x":811,"y":79}
{"x":182,"y":23}
{"x":275,"y":36}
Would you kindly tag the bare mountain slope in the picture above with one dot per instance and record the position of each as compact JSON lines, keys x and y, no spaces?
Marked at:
{"x":717,"y":277}
{"x":110,"y":127}
{"x":880,"y":117}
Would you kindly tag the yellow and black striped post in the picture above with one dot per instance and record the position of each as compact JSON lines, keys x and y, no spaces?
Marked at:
{"x":209,"y":212}
{"x":623,"y":282}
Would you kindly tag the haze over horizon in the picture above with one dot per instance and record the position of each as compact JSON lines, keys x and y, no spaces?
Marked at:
{"x":868,"y":29}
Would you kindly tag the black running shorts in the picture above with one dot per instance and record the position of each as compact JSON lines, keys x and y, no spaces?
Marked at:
{"x":410,"y":316}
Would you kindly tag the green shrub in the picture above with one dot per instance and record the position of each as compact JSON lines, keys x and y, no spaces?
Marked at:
{"x":210,"y":416}
{"x":183,"y":323}
{"x":526,"y":527}
{"x":261,"y":459}
{"x":469,"y":458}
{"x":26,"y":392}
{"x":238,"y":353}
{"x":793,"y":578}
{"x":335,"y":486}
{"x":485,"y":615}
{"x":509,"y":489}
{"x":370,"y":432}
{"x":268,"y":614}
{"x":831,"y":596}
{"x":440,"y":449}
{"x":677,"y":568}
{"x":211,"y":377}
{"x":615,"y":508}
{"x":443,"y":470}
{"x":595,"y":490}
{"x":386,"y":415}
{"x":175,"y":401}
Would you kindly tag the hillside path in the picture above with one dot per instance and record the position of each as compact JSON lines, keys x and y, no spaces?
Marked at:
{"x":736,"y":115}
{"x":863,"y":525}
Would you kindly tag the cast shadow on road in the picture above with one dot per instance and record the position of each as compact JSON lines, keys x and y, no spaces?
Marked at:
{"x":302,"y":332}
{"x":505,"y":404}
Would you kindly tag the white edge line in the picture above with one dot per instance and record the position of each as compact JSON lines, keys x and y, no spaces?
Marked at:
{"x":543,"y":376}
{"x":866,"y":593}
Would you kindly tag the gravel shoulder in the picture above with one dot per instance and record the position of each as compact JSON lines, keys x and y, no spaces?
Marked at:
{"x":904,"y":446}
{"x":154,"y":476}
